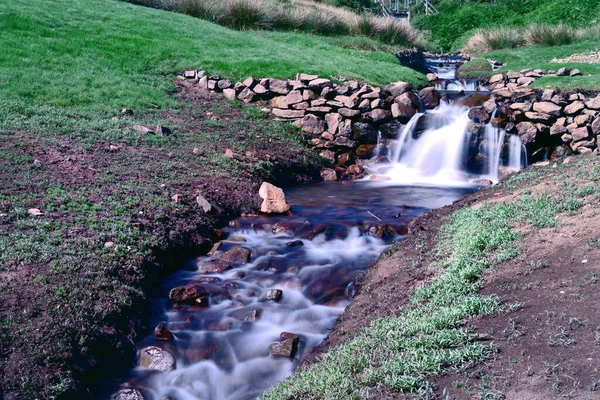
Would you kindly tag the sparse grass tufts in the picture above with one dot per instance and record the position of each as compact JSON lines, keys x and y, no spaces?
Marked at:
{"x":426,"y":339}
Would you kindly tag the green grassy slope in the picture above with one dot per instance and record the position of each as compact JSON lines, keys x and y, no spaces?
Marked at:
{"x":105,"y":54}
{"x":458,"y":18}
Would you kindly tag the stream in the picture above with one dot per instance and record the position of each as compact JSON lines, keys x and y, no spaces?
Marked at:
{"x":313,"y":256}
{"x":241,"y":318}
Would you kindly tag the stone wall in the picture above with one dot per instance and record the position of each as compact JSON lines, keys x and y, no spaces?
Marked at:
{"x":343,"y":120}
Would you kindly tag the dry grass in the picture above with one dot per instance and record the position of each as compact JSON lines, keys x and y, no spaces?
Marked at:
{"x":486,"y":40}
{"x":295,"y":15}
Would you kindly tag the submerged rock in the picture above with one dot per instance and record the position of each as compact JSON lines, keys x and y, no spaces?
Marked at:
{"x":157,"y":359}
{"x":273,"y":199}
{"x":237,"y":255}
{"x":162,"y":332}
{"x":273,"y":294}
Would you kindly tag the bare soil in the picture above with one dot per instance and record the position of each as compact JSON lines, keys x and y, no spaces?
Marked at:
{"x":116,"y":216}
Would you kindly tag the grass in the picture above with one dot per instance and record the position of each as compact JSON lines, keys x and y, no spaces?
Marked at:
{"x":459,"y":19}
{"x":540,"y":57}
{"x":296,"y":15}
{"x":70,"y":63}
{"x":544,"y":35}
{"x":429,"y":336}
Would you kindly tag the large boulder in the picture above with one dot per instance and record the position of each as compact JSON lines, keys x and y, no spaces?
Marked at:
{"x":397,"y":88}
{"x":479,"y":114}
{"x":527,"y":132}
{"x":156,"y":359}
{"x":379,"y":116}
{"x":574,"y":108}
{"x":333,"y":121}
{"x":312,"y":124}
{"x":273,"y":199}
{"x":189,"y":294}
{"x":429,"y":97}
{"x":409,"y":99}
{"x":593,"y":103}
{"x":546,"y":107}
{"x":580,"y":134}
{"x":288,"y":114}
{"x":278,"y":86}
{"x":403,"y":112}
{"x":319,"y":84}
{"x":246,"y":95}
{"x":364,"y":133}
{"x":287,"y":346}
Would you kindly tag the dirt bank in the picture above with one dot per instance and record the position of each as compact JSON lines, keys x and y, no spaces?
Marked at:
{"x":87,"y":226}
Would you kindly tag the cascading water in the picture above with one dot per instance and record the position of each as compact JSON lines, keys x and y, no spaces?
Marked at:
{"x":435,"y":148}
{"x":517,"y":155}
{"x":491,"y":147}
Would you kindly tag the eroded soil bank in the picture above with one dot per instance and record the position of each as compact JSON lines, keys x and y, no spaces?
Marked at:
{"x":88,"y":225}
{"x":544,"y":342}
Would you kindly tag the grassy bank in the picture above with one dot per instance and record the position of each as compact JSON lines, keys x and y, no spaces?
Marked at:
{"x":100,"y":56}
{"x":92,"y":212}
{"x":402,"y":349}
{"x":459,"y":19}
{"x":541,"y":57}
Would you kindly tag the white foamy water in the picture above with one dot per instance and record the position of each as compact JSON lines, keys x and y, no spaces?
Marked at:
{"x":439,"y":156}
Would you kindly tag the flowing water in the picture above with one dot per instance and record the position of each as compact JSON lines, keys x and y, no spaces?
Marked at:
{"x":313,"y":256}
{"x":436,"y":148}
{"x":335,"y":231}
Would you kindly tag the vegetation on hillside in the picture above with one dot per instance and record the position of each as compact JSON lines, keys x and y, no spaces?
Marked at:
{"x":296,"y":15}
{"x":459,"y":19}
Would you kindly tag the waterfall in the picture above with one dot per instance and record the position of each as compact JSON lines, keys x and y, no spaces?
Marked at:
{"x":492,"y":148}
{"x":378,"y":148}
{"x":515,"y":151}
{"x":443,"y":148}
{"x":404,"y":136}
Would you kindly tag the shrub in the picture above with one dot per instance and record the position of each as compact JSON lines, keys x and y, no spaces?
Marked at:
{"x":242,"y":14}
{"x":198,"y":9}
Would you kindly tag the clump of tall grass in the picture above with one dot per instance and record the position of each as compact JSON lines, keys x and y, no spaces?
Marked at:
{"x":388,"y":30}
{"x":295,"y":15}
{"x":550,"y":35}
{"x":497,"y":38}
{"x":485,"y":40}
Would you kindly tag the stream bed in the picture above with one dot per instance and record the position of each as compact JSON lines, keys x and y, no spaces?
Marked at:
{"x":294,"y":275}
